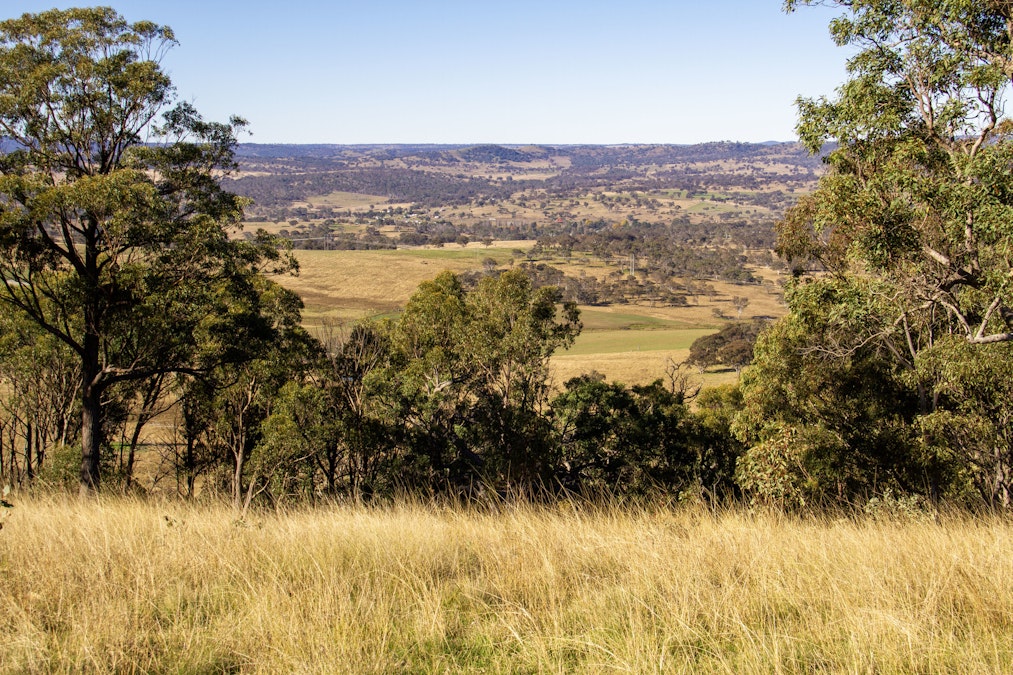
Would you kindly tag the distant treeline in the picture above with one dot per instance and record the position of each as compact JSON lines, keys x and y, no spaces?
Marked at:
{"x":397,"y":185}
{"x":293,"y":173}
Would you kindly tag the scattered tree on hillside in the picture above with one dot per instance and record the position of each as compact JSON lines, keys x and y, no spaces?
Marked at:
{"x":731,"y":346}
{"x":739,"y":302}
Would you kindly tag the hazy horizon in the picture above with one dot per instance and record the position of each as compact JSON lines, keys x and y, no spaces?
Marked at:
{"x":466,"y":144}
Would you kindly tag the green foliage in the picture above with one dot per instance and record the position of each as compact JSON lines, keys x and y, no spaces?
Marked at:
{"x":296,"y":431}
{"x":890,"y":368}
{"x":325,"y":434}
{"x":731,"y":346}
{"x":39,"y":413}
{"x":827,"y":415}
{"x":62,"y":468}
{"x":918,"y":191}
{"x":604,"y":437}
{"x":468,"y":377}
{"x":774,"y":471}
{"x":717,"y":448}
{"x":972,"y":423}
{"x":640,"y":440}
{"x":426,"y":380}
{"x":513,"y":331}
{"x":903,"y":508}
{"x":453,"y":396}
{"x":113,"y":224}
{"x":225,"y":406}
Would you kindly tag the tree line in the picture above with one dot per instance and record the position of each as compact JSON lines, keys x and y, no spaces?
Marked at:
{"x":454,"y":396}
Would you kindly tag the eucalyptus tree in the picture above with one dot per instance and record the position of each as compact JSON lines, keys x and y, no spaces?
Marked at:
{"x":113,"y":225}
{"x":237,"y":397}
{"x":39,"y":378}
{"x":512,"y":332}
{"x":467,"y":380}
{"x":919,"y":190}
{"x":914,"y":218}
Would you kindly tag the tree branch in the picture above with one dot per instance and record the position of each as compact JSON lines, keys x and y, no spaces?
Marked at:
{"x":989,"y":339}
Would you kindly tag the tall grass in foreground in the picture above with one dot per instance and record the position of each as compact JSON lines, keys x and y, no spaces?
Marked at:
{"x":132,"y":586}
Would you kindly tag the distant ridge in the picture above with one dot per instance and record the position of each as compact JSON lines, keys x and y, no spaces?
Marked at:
{"x":491,"y":177}
{"x":490,"y":152}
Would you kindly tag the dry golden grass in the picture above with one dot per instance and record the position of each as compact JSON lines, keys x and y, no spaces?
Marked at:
{"x":386,"y":279}
{"x":632,"y":367}
{"x":347,"y":285}
{"x":119,"y":586}
{"x":352,"y":201}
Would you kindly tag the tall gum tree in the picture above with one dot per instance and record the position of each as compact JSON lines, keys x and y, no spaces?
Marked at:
{"x":916,"y":212}
{"x":114,"y":229}
{"x":919,"y":190}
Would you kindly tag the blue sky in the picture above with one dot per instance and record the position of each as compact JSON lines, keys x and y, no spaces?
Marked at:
{"x":448,"y":71}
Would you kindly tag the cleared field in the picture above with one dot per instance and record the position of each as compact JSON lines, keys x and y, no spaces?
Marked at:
{"x":471,"y":255}
{"x":616,"y":341}
{"x":627,"y":343}
{"x":631,"y":368}
{"x":119,"y":586}
{"x":621,"y":318}
{"x":349,"y":285}
{"x":630,"y":356}
{"x":352,"y":201}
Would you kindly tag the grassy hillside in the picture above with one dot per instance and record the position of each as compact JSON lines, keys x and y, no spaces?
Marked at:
{"x":120,"y":586}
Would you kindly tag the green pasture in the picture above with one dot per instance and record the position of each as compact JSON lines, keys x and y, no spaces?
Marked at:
{"x":619,"y":341}
{"x":668,"y":194}
{"x":602,"y":320}
{"x":714,"y":207}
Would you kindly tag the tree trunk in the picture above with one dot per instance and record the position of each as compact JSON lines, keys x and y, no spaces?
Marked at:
{"x":91,"y":417}
{"x":3,"y":473}
{"x":189,"y":466}
{"x":135,"y":438}
{"x":41,"y":442}
{"x":91,"y":441}
{"x":239,"y":454}
{"x":30,"y":468}
{"x":237,"y":478}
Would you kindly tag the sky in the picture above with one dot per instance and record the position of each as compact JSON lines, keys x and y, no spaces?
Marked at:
{"x":488,"y":71}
